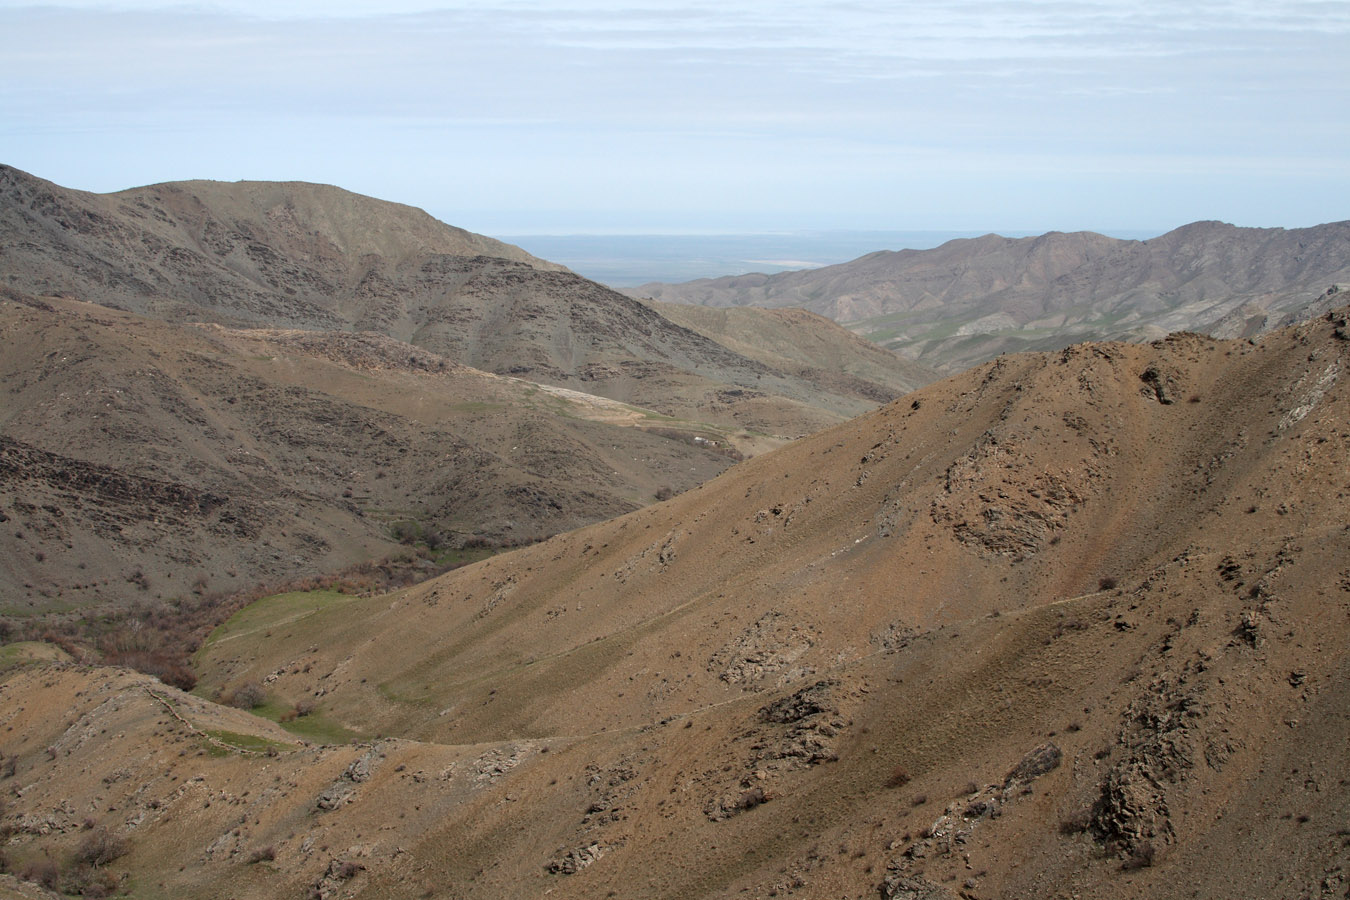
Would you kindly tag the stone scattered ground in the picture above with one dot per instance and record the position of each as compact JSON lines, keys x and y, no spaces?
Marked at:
{"x":1032,"y":631}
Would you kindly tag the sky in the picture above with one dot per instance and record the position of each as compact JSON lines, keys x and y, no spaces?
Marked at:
{"x":591,"y":116}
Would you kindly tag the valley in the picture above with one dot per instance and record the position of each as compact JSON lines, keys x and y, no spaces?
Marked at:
{"x":466,"y":577}
{"x":1069,"y":622}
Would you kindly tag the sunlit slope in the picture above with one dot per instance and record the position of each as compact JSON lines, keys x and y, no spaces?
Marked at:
{"x":1069,"y":624}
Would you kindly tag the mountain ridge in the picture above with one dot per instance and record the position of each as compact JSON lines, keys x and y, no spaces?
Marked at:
{"x":972,"y":298}
{"x":1069,"y":622}
{"x":261,"y":254}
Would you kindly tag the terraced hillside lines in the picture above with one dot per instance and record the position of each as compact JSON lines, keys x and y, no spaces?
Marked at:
{"x":1046,"y":628}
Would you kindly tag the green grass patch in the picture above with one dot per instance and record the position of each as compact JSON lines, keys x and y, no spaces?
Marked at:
{"x":463,"y":557}
{"x":389,"y":692}
{"x":315,"y":727}
{"x":271,"y":612}
{"x":319,"y":729}
{"x":23,"y":652}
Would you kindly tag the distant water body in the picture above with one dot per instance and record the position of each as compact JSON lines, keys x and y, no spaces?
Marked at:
{"x":627,"y":260}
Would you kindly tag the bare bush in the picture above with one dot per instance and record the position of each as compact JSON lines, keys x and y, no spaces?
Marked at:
{"x":248,"y":696}
{"x":41,"y":871}
{"x":1143,"y":857}
{"x":348,"y":869}
{"x":100,"y":847}
{"x":752,"y":798}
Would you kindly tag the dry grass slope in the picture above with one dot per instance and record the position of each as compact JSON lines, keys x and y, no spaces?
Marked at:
{"x":1093,"y":606}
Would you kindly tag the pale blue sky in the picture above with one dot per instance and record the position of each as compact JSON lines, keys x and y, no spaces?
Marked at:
{"x":635,"y":116}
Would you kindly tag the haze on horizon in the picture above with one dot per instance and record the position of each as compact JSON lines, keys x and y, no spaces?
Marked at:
{"x":575,"y":116}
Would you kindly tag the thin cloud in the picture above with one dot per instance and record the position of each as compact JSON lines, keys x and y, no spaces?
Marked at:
{"x":585,"y":104}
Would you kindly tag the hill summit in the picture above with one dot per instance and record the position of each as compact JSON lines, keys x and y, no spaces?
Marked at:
{"x":303,"y":256}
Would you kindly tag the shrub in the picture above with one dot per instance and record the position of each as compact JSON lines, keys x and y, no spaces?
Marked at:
{"x":41,"y":871}
{"x":1143,"y":857}
{"x":348,"y":869}
{"x":1107,"y":583}
{"x":100,"y":847}
{"x":751,"y":798}
{"x":404,"y":532}
{"x":262,"y":854}
{"x":88,"y":883}
{"x":248,"y":696}
{"x":1076,"y":823}
{"x":899,"y":777}
{"x":665,"y":492}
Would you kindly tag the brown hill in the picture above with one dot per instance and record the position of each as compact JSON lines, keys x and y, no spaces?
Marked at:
{"x":1068,"y":624}
{"x":143,"y":459}
{"x":969,"y":300}
{"x":303,"y":256}
{"x":850,"y":374}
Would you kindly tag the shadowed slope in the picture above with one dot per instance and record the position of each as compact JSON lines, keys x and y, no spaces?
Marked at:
{"x":141,"y":459}
{"x":304,"y":256}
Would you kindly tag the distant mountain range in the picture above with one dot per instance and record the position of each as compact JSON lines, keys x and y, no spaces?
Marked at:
{"x":972,"y":299}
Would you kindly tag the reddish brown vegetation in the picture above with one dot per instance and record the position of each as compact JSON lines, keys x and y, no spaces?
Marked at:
{"x":159,"y":637}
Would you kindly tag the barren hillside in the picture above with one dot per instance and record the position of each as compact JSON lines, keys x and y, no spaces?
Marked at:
{"x":810,"y":347}
{"x":1067,"y":624}
{"x":304,"y":256}
{"x":971,"y":299}
{"x":141,"y":459}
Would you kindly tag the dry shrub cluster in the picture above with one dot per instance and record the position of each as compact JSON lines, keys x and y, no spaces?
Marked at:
{"x":249,"y":695}
{"x":100,"y":847}
{"x":83,"y":872}
{"x":159,"y":637}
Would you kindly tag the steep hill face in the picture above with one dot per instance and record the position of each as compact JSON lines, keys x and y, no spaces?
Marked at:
{"x":969,"y":300}
{"x":306,"y":256}
{"x":1065,"y":624}
{"x":143,"y":459}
